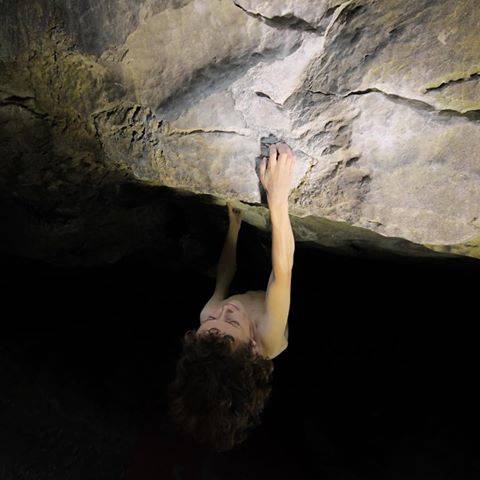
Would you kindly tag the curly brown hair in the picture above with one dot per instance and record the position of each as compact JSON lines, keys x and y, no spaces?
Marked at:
{"x":219,"y":391}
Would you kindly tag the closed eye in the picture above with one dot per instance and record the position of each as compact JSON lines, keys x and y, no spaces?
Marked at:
{"x":229,"y":321}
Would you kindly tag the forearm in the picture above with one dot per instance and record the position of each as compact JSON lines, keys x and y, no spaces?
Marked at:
{"x":283,"y":241}
{"x":227,"y":265}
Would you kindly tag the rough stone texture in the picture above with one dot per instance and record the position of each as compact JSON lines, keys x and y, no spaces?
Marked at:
{"x":378,"y":99}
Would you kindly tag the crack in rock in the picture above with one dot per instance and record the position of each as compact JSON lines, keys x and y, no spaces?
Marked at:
{"x":20,"y":102}
{"x":442,"y":85}
{"x":292,"y":22}
{"x":289,"y":21}
{"x":262,"y":94}
{"x":472,"y":115}
{"x":201,"y":130}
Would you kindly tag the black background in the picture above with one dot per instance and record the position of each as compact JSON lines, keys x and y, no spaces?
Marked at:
{"x":379,"y":379}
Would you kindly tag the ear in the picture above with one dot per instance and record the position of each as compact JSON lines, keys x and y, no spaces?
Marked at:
{"x":254,"y":346}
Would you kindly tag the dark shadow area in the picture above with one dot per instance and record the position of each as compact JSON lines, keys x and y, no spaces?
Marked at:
{"x":379,"y":379}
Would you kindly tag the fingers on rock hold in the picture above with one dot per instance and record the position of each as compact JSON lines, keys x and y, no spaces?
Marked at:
{"x":273,"y":153}
{"x":263,"y":166}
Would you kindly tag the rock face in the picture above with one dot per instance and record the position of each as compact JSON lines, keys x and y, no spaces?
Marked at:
{"x":379,"y":101}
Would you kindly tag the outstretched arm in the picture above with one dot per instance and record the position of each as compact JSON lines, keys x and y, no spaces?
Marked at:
{"x":227,"y":265}
{"x":272,"y":329}
{"x":277,"y":180}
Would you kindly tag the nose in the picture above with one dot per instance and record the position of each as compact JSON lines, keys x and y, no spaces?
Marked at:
{"x":227,"y":308}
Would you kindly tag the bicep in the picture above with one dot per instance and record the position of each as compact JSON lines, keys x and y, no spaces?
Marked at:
{"x":276,"y":310}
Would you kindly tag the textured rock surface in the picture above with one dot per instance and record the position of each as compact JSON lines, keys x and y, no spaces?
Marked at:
{"x":379,"y":101}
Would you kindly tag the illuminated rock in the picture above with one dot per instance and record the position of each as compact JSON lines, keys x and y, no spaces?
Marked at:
{"x":379,"y":101}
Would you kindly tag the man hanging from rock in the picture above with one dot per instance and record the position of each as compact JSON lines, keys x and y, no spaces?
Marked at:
{"x":223,"y":377}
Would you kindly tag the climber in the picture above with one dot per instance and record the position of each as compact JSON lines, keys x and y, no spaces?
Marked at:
{"x":258,"y":315}
{"x":223,"y":376}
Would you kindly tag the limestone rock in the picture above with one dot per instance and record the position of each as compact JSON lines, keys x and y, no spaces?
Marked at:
{"x":378,"y":100}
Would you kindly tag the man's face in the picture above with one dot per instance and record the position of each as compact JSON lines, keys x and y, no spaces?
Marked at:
{"x":229,"y":319}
